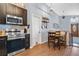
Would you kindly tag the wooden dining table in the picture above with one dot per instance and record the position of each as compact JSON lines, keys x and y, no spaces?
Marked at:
{"x":57,"y":40}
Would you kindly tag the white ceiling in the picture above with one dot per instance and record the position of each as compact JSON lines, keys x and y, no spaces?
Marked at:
{"x":65,"y":8}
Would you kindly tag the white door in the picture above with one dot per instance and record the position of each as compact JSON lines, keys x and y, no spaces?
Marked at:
{"x":36,"y":28}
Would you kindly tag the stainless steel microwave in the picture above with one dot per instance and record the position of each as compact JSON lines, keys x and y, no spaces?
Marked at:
{"x":10,"y":19}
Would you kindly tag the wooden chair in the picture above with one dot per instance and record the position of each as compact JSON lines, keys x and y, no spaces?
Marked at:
{"x":51,"y":37}
{"x":57,"y":39}
{"x":63,"y":39}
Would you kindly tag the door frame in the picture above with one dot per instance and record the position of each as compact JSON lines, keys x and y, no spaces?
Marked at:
{"x":76,"y":29}
{"x":33,"y":43}
{"x":77,"y":34}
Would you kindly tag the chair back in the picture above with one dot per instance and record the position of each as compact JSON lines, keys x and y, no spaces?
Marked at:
{"x":51,"y":35}
{"x":57,"y":34}
{"x":64,"y":34}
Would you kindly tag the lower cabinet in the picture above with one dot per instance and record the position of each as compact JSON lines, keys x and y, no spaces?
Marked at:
{"x":3,"y":50}
{"x":27,"y":41}
{"x":14,"y":45}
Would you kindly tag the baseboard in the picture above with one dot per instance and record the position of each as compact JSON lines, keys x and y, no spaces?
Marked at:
{"x":14,"y":53}
{"x":38,"y":43}
{"x":43,"y":42}
{"x":32,"y":45}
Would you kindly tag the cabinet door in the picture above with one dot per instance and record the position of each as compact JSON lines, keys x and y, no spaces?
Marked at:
{"x":27,"y":41}
{"x":11,"y":9}
{"x":2,"y":20}
{"x":2,"y":13}
{"x":3,"y":50}
{"x":14,"y":45}
{"x":3,"y":9}
{"x":19,"y":12}
{"x":25,"y":18}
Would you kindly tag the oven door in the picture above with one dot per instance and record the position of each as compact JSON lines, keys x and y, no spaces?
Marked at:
{"x":15,"y":45}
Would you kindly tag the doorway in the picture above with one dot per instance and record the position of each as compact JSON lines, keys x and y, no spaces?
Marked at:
{"x":36,"y":29}
{"x":75,"y":34}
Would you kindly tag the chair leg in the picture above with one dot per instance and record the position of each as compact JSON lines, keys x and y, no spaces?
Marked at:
{"x":54,"y":45}
{"x":48,"y":45}
{"x":65,"y":45}
{"x":59,"y":45}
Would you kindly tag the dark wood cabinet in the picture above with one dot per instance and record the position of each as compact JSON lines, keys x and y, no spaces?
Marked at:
{"x":3,"y":43}
{"x":6,"y":8}
{"x":25,"y":18}
{"x":27,"y":41}
{"x":19,"y":12}
{"x":2,"y":13}
{"x":22,"y":13}
{"x":11,"y":9}
{"x":3,"y":9}
{"x":2,"y":20}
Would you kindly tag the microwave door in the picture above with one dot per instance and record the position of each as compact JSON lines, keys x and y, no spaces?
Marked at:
{"x":14,"y":20}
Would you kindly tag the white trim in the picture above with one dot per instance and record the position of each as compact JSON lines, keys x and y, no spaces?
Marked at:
{"x":38,"y":43}
{"x":13,"y":53}
{"x":43,"y":42}
{"x":32,"y":45}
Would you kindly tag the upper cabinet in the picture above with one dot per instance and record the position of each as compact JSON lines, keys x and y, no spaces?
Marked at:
{"x":14,"y":10}
{"x":3,"y":9}
{"x":21,"y":5}
{"x":19,"y":11}
{"x":25,"y":18}
{"x":2,"y":13}
{"x":11,"y":9}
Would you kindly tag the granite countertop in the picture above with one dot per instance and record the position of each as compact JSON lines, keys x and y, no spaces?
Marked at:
{"x":2,"y":35}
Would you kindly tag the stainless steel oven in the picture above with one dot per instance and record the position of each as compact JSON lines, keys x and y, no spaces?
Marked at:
{"x":10,"y":19}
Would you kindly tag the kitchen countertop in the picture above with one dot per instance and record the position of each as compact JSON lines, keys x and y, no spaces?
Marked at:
{"x":2,"y":35}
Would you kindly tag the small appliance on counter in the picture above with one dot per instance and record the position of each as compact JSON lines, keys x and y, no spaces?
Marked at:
{"x":2,"y":33}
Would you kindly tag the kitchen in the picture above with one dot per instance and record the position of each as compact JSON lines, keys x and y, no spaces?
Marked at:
{"x":25,"y":26}
{"x":14,"y":37}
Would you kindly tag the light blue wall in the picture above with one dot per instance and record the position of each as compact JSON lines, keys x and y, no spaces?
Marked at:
{"x":65,"y":23}
{"x":2,"y":26}
{"x":76,"y":40}
{"x":52,"y":20}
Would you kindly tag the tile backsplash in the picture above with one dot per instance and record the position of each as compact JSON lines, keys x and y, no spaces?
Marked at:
{"x":4,"y":27}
